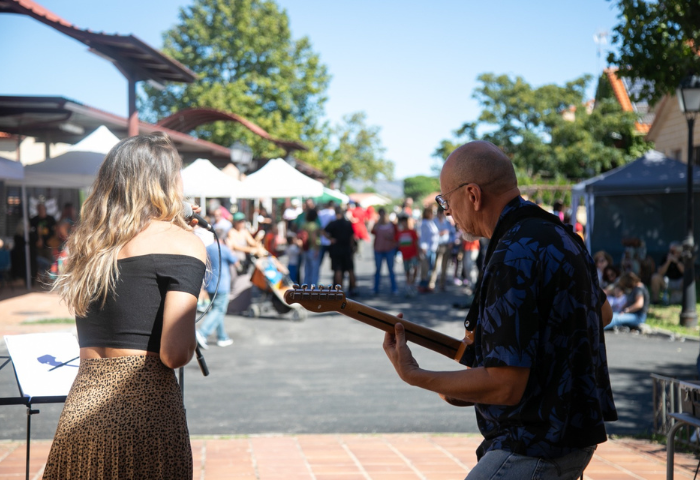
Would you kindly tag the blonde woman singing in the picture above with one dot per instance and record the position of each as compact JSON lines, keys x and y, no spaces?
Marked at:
{"x":132,"y":278}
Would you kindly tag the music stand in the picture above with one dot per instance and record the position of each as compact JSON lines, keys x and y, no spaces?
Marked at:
{"x":45,"y":365}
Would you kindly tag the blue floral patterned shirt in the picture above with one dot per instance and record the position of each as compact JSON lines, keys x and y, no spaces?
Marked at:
{"x":540,"y":308}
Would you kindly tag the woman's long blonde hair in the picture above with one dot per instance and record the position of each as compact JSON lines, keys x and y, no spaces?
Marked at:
{"x":138,"y":182}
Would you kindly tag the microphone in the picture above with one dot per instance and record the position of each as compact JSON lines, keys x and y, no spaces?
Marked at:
{"x":189,"y":215}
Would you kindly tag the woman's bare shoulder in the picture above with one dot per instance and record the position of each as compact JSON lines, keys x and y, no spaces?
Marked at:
{"x":185,"y":242}
{"x":165,"y":238}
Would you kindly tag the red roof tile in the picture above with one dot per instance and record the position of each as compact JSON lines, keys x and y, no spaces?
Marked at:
{"x":623,"y":97}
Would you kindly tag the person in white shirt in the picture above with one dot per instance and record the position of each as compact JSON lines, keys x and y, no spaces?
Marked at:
{"x":429,"y":237}
{"x":291,"y":213}
{"x":446,"y":232}
{"x":218,"y":221}
{"x":293,"y":256}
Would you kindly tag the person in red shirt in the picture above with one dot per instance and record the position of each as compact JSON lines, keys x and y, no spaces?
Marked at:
{"x":407,"y":240}
{"x":270,"y":241}
{"x":359,"y":221}
{"x":470,"y":269}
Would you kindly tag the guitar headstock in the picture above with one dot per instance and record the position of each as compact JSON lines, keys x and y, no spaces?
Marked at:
{"x":316,"y":298}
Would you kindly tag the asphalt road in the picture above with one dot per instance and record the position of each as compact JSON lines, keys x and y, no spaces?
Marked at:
{"x":329,"y":374}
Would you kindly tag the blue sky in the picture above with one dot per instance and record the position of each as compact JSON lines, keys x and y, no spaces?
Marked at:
{"x":411,"y":66}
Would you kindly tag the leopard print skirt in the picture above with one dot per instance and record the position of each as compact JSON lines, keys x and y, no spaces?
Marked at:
{"x":123,"y":419}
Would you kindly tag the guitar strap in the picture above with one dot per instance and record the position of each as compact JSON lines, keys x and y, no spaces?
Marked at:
{"x":504,"y":225}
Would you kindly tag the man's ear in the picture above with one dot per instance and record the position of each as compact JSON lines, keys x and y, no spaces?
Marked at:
{"x":474,"y":196}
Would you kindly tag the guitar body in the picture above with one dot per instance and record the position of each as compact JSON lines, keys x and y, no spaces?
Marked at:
{"x":330,"y":299}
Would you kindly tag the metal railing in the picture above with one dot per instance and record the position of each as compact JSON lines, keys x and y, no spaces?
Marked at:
{"x":667,"y":399}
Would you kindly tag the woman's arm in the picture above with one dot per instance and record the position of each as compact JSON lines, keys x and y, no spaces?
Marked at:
{"x":250,"y":247}
{"x":177,"y":340}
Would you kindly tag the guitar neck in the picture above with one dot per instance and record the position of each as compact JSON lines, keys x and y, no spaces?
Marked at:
{"x":425,"y":337}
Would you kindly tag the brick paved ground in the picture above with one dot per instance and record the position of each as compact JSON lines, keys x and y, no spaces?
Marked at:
{"x":364,"y":457}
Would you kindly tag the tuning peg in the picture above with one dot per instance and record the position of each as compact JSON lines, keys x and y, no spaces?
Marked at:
{"x":339,"y":288}
{"x":313,"y":287}
{"x":295,"y":286}
{"x":303,"y":286}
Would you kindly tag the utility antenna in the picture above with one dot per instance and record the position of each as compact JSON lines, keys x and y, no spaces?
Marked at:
{"x":601,"y":40}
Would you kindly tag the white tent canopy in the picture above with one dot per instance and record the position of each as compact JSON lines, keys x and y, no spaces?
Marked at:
{"x":278,"y":179}
{"x":203,"y":180}
{"x":77,"y":168}
{"x":100,"y":141}
{"x":10,"y":170}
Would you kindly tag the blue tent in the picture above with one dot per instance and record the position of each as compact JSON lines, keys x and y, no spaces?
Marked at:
{"x":643,"y":199}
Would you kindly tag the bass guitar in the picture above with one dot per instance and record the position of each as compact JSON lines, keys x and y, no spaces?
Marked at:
{"x":332,"y":299}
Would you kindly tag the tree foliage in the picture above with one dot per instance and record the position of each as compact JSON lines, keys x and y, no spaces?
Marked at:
{"x":247,"y":64}
{"x":659,"y":42}
{"x":357,"y":152}
{"x":419,"y":186}
{"x":543,"y":134}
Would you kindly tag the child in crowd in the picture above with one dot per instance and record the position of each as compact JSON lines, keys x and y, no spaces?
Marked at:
{"x":617,"y":299}
{"x":293,"y":254}
{"x":270,"y":240}
{"x":407,"y":239}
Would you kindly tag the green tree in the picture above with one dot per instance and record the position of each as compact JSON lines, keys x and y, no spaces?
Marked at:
{"x":419,"y":186}
{"x":658,"y":42}
{"x":543,"y":135}
{"x":247,"y":64}
{"x":357,"y":152}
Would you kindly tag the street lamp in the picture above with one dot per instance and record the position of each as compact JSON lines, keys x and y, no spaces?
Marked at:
{"x":241,"y":156}
{"x":689,"y":100}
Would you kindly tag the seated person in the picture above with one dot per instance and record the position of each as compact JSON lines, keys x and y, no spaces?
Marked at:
{"x":636,"y":306}
{"x":670,"y":273}
{"x":610,"y":276}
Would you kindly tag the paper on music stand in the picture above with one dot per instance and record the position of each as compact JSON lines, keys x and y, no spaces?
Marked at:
{"x":37,"y":359}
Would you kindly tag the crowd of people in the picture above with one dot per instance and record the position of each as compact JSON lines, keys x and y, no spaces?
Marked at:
{"x":633,"y":283}
{"x":429,"y":247}
{"x":48,"y":235}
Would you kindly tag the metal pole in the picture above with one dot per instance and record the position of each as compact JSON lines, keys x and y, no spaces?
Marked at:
{"x":133,"y":113}
{"x":689,"y":316}
{"x":670,"y":449}
{"x":25,"y":223}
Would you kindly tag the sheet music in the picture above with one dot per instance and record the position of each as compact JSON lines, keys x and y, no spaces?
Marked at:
{"x":37,"y":358}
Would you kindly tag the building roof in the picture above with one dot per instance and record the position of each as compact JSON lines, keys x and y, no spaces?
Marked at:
{"x":59,"y":119}
{"x":624,"y":90}
{"x":189,"y":119}
{"x":661,"y":114}
{"x":130,"y":55}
